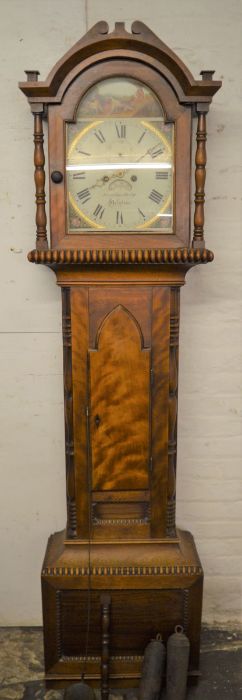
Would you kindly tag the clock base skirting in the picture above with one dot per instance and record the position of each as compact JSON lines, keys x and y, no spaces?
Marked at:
{"x":153,"y":584}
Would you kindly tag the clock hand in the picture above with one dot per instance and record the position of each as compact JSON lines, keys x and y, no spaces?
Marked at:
{"x":148,"y":152}
{"x":143,"y":156}
{"x":103,"y":180}
{"x":100,"y":182}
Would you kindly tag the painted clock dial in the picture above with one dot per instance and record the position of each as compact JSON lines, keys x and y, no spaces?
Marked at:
{"x":120,"y":161}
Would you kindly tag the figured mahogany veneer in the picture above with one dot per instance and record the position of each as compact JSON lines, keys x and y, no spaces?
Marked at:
{"x":120,"y":406}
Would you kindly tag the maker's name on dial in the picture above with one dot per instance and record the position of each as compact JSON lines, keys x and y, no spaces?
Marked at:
{"x":118,"y":202}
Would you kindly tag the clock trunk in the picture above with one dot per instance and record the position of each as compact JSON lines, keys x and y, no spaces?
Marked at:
{"x":120,"y":379}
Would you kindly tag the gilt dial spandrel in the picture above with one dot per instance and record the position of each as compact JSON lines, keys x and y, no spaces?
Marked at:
{"x":120,"y":161}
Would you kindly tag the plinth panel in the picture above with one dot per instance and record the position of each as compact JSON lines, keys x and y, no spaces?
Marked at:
{"x":129,"y":615}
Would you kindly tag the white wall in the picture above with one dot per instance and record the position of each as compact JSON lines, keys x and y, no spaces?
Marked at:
{"x":205,"y":35}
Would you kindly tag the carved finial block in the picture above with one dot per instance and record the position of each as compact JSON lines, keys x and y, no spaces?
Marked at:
{"x":120,"y":27}
{"x":32,"y":75}
{"x":136,"y":27}
{"x":207,"y":74}
{"x":102,"y":27}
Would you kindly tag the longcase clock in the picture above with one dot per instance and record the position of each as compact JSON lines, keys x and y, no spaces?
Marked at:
{"x":119,"y":107}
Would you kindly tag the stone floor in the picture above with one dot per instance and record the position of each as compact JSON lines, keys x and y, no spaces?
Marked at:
{"x":21,"y":667}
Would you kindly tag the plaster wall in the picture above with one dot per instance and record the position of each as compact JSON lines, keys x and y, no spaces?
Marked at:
{"x":32,"y":497}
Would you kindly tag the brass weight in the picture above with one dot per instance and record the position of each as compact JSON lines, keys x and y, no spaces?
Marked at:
{"x":178,"y":649}
{"x":79,"y":691}
{"x":152,"y":670}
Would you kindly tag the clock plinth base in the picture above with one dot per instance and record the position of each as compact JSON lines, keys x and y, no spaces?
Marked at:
{"x":153,"y":585}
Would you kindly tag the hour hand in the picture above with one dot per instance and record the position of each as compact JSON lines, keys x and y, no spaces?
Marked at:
{"x":100,"y":182}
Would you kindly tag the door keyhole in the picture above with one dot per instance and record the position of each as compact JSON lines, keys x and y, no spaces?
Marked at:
{"x":97,"y":421}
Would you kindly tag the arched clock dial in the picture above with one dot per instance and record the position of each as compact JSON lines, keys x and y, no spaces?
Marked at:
{"x":120,"y":175}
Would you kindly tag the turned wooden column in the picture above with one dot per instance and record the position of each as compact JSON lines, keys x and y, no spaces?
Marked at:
{"x":39,"y":176}
{"x":200,"y":177}
{"x":105,"y":611}
{"x":39,"y":162}
{"x":68,"y":403}
{"x":172,"y":415}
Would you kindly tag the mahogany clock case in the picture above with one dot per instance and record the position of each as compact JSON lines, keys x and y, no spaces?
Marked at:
{"x":120,"y":309}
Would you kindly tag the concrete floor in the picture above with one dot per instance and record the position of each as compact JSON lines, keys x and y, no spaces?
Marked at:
{"x":21,"y":667}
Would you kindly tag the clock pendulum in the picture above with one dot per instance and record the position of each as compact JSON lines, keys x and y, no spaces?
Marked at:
{"x":119,"y":107}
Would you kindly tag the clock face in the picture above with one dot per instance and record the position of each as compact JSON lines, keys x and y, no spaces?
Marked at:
{"x":120,"y":170}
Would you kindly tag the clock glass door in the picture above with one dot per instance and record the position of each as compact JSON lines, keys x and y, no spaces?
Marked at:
{"x":120,"y":161}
